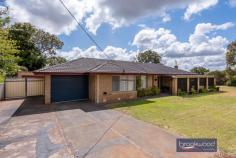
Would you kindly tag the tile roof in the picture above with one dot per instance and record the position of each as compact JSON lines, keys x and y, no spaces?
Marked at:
{"x":92,"y":65}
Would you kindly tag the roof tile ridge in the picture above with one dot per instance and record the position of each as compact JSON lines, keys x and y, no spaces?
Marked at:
{"x":47,"y":67}
{"x":97,"y":67}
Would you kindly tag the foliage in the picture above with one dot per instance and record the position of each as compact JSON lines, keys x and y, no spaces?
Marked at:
{"x":231,"y":55}
{"x":34,"y":45}
{"x":148,"y":91}
{"x":8,"y":53}
{"x":155,"y":90}
{"x":213,"y":89}
{"x":231,"y":76}
{"x":231,"y":82}
{"x":193,"y":91}
{"x":53,"y":60}
{"x":46,"y":43}
{"x":1,"y":78}
{"x":181,"y":93}
{"x":149,"y":56}
{"x":4,"y":19}
{"x":200,"y":70}
{"x":220,"y":77}
{"x":203,"y":90}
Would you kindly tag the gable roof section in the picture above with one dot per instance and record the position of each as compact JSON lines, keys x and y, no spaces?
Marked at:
{"x":92,"y":65}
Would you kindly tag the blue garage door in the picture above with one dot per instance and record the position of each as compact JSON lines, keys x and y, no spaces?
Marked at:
{"x":68,"y":88}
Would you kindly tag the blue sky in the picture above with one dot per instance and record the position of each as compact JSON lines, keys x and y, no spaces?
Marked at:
{"x":121,"y":37}
{"x":191,"y":32}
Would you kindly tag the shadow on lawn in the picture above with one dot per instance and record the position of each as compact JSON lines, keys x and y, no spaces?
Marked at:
{"x":35,"y":105}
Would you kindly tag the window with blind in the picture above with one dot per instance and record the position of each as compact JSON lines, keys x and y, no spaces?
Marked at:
{"x":123,"y":83}
{"x":143,"y":81}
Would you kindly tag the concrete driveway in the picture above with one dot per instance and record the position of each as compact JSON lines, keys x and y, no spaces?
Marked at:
{"x":83,"y":130}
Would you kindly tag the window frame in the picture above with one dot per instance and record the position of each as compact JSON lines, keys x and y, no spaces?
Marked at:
{"x":125,"y":79}
{"x":146,"y":81}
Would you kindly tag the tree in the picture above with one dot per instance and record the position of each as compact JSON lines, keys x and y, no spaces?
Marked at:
{"x":200,"y":70}
{"x":4,"y":20}
{"x":53,"y":60}
{"x":231,"y":54}
{"x":220,"y":76}
{"x":8,"y":53}
{"x":231,"y":63}
{"x":8,"y":48}
{"x":46,"y":42}
{"x":29,"y":55}
{"x":35,"y":45}
{"x":149,"y":56}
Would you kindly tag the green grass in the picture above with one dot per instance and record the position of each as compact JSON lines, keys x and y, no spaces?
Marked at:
{"x":211,"y":115}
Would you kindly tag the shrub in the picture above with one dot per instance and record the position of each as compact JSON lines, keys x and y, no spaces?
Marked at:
{"x":203,"y":90}
{"x":231,"y":82}
{"x":140,"y":93}
{"x":193,"y":91}
{"x":181,"y":93}
{"x":148,"y":91}
{"x":155,"y":90}
{"x":214,"y":89}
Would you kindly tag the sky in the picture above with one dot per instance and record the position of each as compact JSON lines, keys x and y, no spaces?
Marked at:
{"x":189,"y":32}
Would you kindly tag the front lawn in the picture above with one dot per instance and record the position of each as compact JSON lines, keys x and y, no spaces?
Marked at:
{"x":211,"y":115}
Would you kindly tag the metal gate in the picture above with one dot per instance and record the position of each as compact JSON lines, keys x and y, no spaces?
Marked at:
{"x":23,"y":87}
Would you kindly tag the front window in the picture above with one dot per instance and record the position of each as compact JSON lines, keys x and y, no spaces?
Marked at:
{"x":143,"y":81}
{"x":123,"y":83}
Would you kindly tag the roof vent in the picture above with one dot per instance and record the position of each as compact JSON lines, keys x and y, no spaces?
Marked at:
{"x":176,"y":65}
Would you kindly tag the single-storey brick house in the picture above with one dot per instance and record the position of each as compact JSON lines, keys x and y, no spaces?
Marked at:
{"x":101,"y":81}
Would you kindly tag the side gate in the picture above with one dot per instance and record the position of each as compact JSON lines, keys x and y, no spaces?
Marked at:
{"x":23,"y":87}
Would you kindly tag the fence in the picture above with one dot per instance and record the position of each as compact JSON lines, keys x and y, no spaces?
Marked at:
{"x":1,"y":91}
{"x":23,"y":87}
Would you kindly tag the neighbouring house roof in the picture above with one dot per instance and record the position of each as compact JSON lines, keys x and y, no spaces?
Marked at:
{"x":92,"y":65}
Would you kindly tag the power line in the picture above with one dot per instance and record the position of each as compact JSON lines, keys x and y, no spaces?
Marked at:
{"x":82,"y":28}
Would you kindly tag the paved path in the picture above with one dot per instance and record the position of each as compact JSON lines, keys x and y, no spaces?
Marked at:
{"x":32,"y":132}
{"x":95,"y":132}
{"x":8,"y":108}
{"x":82,"y":130}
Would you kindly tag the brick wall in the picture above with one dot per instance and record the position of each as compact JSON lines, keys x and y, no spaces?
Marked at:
{"x":104,"y":91}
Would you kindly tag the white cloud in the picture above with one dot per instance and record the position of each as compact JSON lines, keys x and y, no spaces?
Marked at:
{"x":49,"y":15}
{"x":52,"y":17}
{"x":232,"y":3}
{"x":109,"y":52}
{"x":202,"y":47}
{"x":204,"y":28}
{"x":198,"y":6}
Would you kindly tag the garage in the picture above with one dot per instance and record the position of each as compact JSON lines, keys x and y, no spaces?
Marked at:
{"x":69,"y":88}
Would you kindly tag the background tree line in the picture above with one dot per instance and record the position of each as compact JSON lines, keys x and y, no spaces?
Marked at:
{"x":224,"y":77}
{"x":25,"y":47}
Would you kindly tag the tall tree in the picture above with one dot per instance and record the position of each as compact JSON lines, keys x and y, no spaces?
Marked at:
{"x":220,"y":76}
{"x":4,"y":19}
{"x":149,"y":56}
{"x":231,"y":55}
{"x":8,"y":53}
{"x":53,"y":60}
{"x":8,"y":48}
{"x":231,"y":64}
{"x":35,"y":45}
{"x":200,"y":70}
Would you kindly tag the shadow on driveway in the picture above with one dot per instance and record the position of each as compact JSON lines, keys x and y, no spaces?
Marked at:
{"x":35,"y":105}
